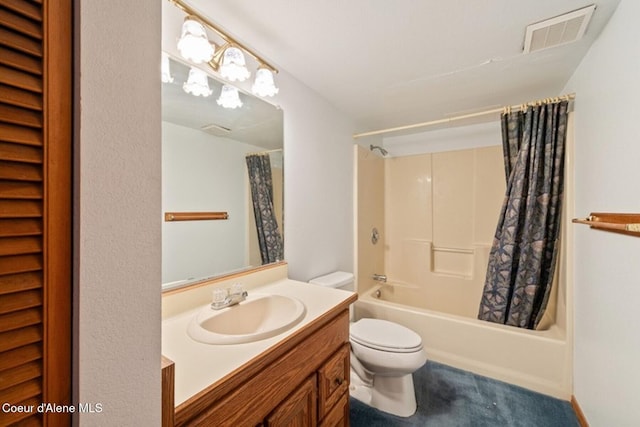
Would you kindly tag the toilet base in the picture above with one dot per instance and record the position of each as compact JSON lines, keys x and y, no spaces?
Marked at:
{"x":358,"y":389}
{"x":394,"y":395}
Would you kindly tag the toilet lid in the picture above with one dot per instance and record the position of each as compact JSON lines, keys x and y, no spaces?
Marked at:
{"x":384,"y":335}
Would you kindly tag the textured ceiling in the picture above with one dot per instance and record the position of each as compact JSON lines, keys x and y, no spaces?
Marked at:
{"x":389,"y":63}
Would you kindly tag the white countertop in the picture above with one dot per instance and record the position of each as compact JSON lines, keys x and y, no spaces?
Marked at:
{"x":197,"y":365}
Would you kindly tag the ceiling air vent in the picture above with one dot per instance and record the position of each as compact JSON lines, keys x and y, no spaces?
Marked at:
{"x":557,"y":31}
{"x":216,"y":130}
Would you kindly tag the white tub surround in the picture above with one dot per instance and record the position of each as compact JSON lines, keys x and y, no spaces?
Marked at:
{"x":200,"y":367}
{"x":440,"y":212}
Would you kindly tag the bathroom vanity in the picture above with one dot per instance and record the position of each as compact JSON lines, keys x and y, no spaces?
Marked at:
{"x":298,"y":377}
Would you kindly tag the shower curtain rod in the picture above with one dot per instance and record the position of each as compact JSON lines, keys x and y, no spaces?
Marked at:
{"x":567,"y":97}
{"x":265,"y":152}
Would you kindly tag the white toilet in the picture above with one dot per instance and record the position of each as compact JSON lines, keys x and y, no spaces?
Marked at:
{"x":384,"y":355}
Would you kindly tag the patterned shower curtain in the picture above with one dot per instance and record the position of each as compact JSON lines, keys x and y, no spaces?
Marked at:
{"x":524,"y":251}
{"x":261,"y":182}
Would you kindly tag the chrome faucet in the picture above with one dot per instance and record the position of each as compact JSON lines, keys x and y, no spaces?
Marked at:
{"x":227,"y":297}
{"x":380,"y":278}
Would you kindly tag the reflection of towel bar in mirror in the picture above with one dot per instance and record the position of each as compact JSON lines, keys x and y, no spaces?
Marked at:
{"x":453,"y":250}
{"x":628,"y":223}
{"x":194,"y":216}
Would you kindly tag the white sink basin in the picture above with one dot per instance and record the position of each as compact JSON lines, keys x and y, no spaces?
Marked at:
{"x":258,"y":317}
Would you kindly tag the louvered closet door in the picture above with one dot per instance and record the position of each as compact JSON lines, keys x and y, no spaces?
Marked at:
{"x":35,"y":190}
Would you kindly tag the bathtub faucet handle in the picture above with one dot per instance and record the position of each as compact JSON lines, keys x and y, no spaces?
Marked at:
{"x":380,"y":278}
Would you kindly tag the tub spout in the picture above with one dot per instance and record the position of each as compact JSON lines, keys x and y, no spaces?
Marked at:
{"x":380,"y":278}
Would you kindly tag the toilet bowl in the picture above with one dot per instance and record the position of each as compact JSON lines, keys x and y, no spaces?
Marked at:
{"x":384,"y":355}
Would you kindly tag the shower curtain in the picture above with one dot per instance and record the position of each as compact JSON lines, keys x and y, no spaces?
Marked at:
{"x":525,"y":246}
{"x":261,"y":182}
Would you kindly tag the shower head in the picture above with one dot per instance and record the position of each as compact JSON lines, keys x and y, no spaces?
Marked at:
{"x":376,"y":147}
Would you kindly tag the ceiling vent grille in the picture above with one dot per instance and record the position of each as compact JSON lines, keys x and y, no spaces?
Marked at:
{"x":215,"y":129}
{"x":557,"y":31}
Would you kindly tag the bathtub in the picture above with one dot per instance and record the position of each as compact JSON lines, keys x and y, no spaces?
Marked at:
{"x":536,"y":360}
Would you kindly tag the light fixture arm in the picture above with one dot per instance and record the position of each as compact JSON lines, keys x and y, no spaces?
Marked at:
{"x":217,"y":57}
{"x":229,"y":41}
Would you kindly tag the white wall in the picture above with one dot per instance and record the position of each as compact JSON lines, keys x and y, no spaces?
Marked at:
{"x":117,"y":212}
{"x":607,"y":272}
{"x":448,"y":139}
{"x":318,"y":183}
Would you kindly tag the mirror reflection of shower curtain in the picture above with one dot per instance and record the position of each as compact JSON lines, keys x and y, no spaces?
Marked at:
{"x":261,"y":183}
{"x":525,"y":247}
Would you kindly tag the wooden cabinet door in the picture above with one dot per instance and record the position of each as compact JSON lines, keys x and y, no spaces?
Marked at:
{"x":333,"y":380}
{"x":339,"y":414}
{"x":35,"y":209}
{"x":297,"y":410}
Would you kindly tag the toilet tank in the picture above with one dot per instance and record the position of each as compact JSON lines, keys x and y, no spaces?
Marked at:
{"x":337,"y":279}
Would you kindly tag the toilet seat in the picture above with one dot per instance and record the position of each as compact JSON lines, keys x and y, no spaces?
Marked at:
{"x":385,"y":336}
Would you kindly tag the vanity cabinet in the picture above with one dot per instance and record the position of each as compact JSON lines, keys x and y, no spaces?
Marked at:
{"x":339,"y":415}
{"x":301,"y":381}
{"x":333,"y":380}
{"x":299,"y":409}
{"x":312,"y":403}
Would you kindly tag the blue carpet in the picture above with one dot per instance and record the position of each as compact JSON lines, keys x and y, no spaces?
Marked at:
{"x":450,"y":397}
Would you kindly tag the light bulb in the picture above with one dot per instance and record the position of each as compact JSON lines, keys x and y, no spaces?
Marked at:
{"x":194,"y":45}
{"x":263,"y":84}
{"x":165,"y":70}
{"x":197,"y":84}
{"x":229,"y":97}
{"x":233,"y":65}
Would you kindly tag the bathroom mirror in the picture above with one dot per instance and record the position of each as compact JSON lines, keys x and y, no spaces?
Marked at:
{"x":204,"y":169}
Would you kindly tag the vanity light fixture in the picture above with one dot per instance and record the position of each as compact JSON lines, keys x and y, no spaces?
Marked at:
{"x":233,"y":65}
{"x":229,"y":97}
{"x":263,"y":85}
{"x":227,"y":58}
{"x":197,"y":83}
{"x":165,"y":70}
{"x":194,"y":45}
